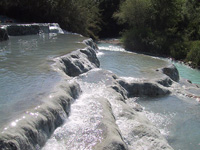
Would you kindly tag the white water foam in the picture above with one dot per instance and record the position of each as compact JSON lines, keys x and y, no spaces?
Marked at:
{"x":55,"y":28}
{"x":132,"y":79}
{"x":82,"y":129}
{"x":112,"y":48}
{"x":161,"y":121}
{"x":100,"y":54}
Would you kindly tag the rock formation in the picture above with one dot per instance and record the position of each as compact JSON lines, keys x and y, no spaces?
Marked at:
{"x":17,"y":30}
{"x":3,"y":34}
{"x":129,"y":128}
{"x":171,"y":71}
{"x":32,"y":130}
{"x":28,"y":29}
{"x":123,"y":126}
{"x":79,"y":61}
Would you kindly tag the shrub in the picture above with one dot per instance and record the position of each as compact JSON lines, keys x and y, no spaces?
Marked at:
{"x":194,"y":53}
{"x":135,"y":40}
{"x":73,"y":15}
{"x":179,"y":50}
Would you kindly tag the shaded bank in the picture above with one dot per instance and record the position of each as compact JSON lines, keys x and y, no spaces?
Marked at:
{"x":165,"y":28}
{"x":3,"y":34}
{"x":16,"y":29}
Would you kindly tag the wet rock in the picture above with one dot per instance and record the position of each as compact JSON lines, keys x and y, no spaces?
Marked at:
{"x":55,"y":28}
{"x":80,"y":61}
{"x":188,"y":89}
{"x":123,"y":127}
{"x":23,"y":29}
{"x":115,"y":146}
{"x":165,"y":81}
{"x":3,"y":34}
{"x":44,"y":28}
{"x":172,"y":72}
{"x":34,"y":128}
{"x":120,"y":90}
{"x":91,"y":55}
{"x":143,"y":89}
{"x":137,"y":131}
{"x":91,"y":43}
{"x":129,"y":88}
{"x":112,"y":139}
{"x":133,"y":126}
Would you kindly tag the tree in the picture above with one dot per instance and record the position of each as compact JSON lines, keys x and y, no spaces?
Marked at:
{"x":153,"y":24}
{"x":192,"y":19}
{"x":108,"y":24}
{"x":73,"y":15}
{"x":134,"y":12}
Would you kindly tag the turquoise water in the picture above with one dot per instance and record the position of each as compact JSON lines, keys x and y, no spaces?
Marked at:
{"x":26,"y":75}
{"x":188,"y":73}
{"x":177,"y":117}
{"x":126,"y":64}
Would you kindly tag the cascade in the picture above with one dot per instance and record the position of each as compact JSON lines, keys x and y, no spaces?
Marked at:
{"x":92,"y":107}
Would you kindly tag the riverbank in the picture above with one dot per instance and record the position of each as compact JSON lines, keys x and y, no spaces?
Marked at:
{"x":94,"y":108}
{"x":33,"y":129}
{"x":62,"y":116}
{"x":117,"y":41}
{"x":170,"y":112}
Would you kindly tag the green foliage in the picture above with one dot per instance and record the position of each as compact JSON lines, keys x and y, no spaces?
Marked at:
{"x":134,"y":39}
{"x":192,"y":19}
{"x":133,"y":12}
{"x":162,"y":27}
{"x":73,"y":15}
{"x":166,"y":14}
{"x":194,"y":53}
{"x":109,"y":25}
{"x":179,"y":50}
{"x":165,"y":27}
{"x":85,"y":18}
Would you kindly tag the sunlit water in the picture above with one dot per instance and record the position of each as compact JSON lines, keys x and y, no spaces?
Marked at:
{"x":188,"y":73}
{"x":82,"y":129}
{"x":177,"y":117}
{"x":123,"y":63}
{"x":26,"y":75}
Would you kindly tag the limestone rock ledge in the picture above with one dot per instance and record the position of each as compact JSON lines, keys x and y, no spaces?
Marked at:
{"x":150,"y":89}
{"x":171,"y":71}
{"x":31,"y":131}
{"x":79,"y":61}
{"x":3,"y":34}
{"x":124,"y":127}
{"x":31,"y":29}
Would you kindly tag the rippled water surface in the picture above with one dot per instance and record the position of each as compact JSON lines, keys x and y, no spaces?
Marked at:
{"x":123,"y":63}
{"x":26,"y":75}
{"x":82,"y":129}
{"x":188,"y":73}
{"x":177,"y":117}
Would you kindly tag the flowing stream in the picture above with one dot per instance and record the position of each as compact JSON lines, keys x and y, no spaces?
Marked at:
{"x":177,"y":116}
{"x":27,"y":76}
{"x":188,"y":73}
{"x":26,"y":72}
